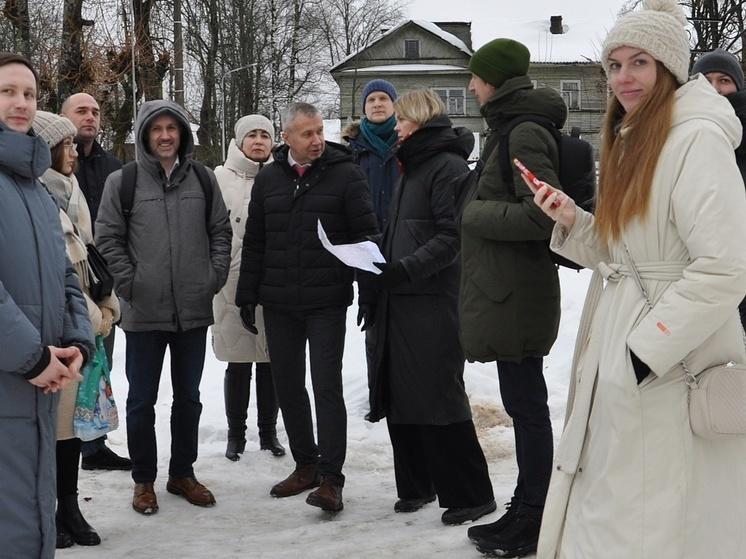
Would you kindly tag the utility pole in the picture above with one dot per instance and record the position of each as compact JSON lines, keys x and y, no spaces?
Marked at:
{"x":178,"y":55}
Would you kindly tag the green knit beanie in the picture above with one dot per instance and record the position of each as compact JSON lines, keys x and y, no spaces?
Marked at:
{"x":499,"y":60}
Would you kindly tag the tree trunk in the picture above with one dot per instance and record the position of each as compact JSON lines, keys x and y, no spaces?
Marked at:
{"x":149,"y":77}
{"x":70,"y":77}
{"x":207,"y":118}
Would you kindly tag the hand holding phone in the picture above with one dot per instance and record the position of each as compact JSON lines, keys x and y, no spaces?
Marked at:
{"x":535,"y":184}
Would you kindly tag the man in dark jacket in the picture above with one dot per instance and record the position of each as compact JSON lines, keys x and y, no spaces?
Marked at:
{"x":305,"y":291}
{"x":373,"y":142}
{"x":168,"y":259}
{"x":94,"y":165}
{"x":510,"y":297}
{"x":45,"y":333}
{"x":723,"y":70}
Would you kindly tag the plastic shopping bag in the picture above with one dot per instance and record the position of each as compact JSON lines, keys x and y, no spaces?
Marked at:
{"x":95,"y":410}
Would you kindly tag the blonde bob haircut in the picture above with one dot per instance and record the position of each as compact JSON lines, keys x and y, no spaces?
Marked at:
{"x":419,"y":106}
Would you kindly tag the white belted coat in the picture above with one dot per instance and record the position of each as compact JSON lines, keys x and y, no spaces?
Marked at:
{"x":230,"y":340}
{"x":631,"y":480}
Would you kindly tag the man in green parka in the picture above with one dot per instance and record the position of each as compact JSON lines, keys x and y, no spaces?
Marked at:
{"x":510,"y":295}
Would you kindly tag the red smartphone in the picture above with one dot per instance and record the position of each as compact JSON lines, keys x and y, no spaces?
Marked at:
{"x":536,"y":182}
{"x":528,"y":174}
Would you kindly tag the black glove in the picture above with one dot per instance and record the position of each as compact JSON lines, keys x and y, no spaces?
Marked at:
{"x":248,"y":318}
{"x":393,"y":274}
{"x":366,"y":315}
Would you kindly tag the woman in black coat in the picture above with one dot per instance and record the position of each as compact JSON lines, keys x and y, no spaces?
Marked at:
{"x":415,"y":361}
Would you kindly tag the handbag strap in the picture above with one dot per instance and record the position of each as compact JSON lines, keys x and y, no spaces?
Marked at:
{"x":689,"y":378}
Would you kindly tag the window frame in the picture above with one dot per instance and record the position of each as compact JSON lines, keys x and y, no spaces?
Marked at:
{"x":408,"y":42}
{"x":448,"y":90}
{"x":565,"y":94}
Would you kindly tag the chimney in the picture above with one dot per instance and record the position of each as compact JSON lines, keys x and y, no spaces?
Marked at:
{"x":555,"y":27}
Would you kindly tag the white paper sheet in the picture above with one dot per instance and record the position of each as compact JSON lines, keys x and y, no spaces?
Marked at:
{"x":356,"y":255}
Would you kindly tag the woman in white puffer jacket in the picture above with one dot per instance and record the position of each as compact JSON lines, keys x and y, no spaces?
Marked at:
{"x":247,"y":153}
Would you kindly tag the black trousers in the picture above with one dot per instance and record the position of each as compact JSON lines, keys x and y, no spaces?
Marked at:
{"x":68,"y":457}
{"x":237,"y":393}
{"x":324,"y":330}
{"x":442,"y":460}
{"x":524,"y":395}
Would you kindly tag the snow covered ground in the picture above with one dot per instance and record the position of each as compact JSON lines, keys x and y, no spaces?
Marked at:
{"x":248,"y":523}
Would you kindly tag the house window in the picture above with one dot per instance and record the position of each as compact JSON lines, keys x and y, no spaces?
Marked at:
{"x":411,"y":49}
{"x":570,"y":91}
{"x":454,"y":99}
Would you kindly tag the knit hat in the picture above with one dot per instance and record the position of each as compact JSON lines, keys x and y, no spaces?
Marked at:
{"x":499,"y":60}
{"x":53,"y":128}
{"x":378,"y":85}
{"x":722,"y":61}
{"x":658,"y":29}
{"x":247,"y":123}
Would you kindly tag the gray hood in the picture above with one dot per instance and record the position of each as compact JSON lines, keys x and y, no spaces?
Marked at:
{"x":149,"y":111}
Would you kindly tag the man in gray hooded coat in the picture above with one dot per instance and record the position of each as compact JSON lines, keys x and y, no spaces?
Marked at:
{"x":45,"y":334}
{"x":169,"y":256}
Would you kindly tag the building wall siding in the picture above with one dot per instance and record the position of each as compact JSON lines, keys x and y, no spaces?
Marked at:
{"x":433,"y":50}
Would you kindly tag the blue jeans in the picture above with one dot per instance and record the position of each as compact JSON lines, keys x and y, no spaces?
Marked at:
{"x":145,"y":352}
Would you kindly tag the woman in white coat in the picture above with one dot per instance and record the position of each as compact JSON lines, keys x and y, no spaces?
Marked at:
{"x":631,"y":479}
{"x":75,"y":217}
{"x":247,"y":153}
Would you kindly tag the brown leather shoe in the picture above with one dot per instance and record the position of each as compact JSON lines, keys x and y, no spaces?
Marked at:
{"x":328,"y":496}
{"x":305,"y":476}
{"x":192,"y":490}
{"x":144,"y":500}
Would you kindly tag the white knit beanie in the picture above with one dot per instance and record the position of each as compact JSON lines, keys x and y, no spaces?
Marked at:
{"x":53,"y":128}
{"x":247,"y":123}
{"x":658,"y":29}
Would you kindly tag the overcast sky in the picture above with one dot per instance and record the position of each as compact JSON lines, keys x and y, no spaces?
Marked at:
{"x":496,"y":18}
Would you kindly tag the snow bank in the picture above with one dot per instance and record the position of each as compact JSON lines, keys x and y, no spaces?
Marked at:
{"x":248,"y":523}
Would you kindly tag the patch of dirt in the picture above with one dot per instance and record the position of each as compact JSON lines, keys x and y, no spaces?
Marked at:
{"x":487,"y":416}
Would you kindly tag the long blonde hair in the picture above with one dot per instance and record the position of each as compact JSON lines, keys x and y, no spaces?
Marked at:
{"x":629,"y":156}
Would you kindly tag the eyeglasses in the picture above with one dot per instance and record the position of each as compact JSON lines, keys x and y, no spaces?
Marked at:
{"x":73,"y":147}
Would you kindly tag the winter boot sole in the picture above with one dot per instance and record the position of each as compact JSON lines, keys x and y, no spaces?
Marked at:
{"x":517,"y":552}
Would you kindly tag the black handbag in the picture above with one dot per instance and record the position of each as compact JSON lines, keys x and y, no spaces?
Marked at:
{"x":102,"y":282}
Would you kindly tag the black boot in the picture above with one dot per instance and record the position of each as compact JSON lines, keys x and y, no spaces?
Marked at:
{"x":71,"y":519}
{"x":267,"y":408}
{"x":236,"y":388}
{"x":234,"y":449}
{"x":268,"y":441}
{"x":477,"y":533}
{"x":518,"y":539}
{"x":64,"y":539}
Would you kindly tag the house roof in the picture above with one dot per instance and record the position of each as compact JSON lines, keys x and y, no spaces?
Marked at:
{"x":448,"y":37}
{"x":426,"y":25}
{"x":408,"y":69}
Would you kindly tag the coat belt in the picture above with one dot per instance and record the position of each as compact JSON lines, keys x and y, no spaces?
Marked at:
{"x":667,"y":271}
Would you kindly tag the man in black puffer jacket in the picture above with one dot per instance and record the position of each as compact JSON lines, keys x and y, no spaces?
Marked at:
{"x":305,"y":291}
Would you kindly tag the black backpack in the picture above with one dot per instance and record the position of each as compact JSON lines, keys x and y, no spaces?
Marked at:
{"x":465,"y":186}
{"x":577,"y":173}
{"x":129,"y":180}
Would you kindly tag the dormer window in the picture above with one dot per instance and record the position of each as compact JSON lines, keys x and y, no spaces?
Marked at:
{"x":411,"y":49}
